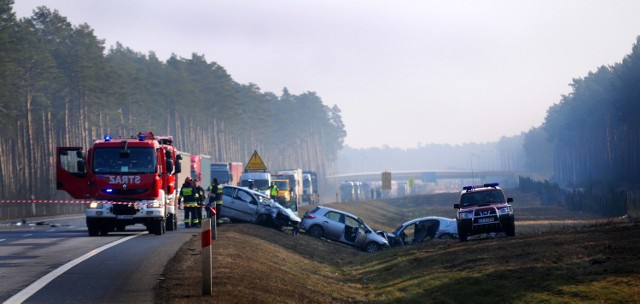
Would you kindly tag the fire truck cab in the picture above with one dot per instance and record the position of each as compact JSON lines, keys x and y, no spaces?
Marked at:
{"x":127,"y":181}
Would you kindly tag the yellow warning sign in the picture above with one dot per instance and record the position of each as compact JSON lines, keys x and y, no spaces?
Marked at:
{"x":255,"y":163}
{"x":386,"y":180}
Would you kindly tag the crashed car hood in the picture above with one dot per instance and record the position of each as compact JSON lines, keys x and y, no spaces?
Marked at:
{"x":292,"y":216}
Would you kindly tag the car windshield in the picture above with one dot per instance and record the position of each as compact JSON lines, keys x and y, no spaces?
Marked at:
{"x":259,"y":184}
{"x":282,"y":184}
{"x":401,"y":227}
{"x":263,"y":199}
{"x":112,"y":161}
{"x":482,"y":197}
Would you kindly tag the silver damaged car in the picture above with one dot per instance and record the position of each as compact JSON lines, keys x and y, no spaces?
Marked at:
{"x":332,"y":224}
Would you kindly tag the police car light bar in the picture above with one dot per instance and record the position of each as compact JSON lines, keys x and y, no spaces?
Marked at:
{"x":493,"y":185}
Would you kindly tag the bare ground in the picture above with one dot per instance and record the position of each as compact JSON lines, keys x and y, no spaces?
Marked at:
{"x":557,"y":257}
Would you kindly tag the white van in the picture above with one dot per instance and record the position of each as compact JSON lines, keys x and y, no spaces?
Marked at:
{"x":260,"y":180}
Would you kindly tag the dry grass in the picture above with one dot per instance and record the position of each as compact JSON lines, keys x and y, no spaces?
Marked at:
{"x":556,"y":257}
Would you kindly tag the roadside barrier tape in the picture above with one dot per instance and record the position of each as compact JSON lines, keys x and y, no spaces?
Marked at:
{"x":74,"y":202}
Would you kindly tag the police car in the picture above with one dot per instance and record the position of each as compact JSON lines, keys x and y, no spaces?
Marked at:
{"x":484,"y":209}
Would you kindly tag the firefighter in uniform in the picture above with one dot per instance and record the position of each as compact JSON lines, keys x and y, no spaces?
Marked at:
{"x":200,"y":197}
{"x":215,"y":198}
{"x":190,"y":202}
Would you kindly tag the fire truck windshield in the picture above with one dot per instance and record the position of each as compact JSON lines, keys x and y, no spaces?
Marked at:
{"x":111,"y":161}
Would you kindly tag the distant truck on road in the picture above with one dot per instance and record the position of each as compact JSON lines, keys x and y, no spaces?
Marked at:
{"x":226,"y":173}
{"x":315,"y":193}
{"x":199,"y":165}
{"x":260,"y":181}
{"x":295,"y":182}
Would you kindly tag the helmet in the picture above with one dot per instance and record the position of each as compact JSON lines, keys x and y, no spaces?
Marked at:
{"x":187,"y":180}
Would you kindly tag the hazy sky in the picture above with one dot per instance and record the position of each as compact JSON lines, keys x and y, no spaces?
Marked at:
{"x":403,"y":72}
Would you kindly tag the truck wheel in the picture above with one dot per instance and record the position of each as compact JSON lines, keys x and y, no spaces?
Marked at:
{"x":158,"y":227}
{"x":121,"y":227}
{"x":104,"y":230}
{"x":93,"y":229}
{"x":170,"y":222}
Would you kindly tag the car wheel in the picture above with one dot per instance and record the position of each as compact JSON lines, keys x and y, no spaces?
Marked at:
{"x":262,"y":219}
{"x":511,"y":230}
{"x":462,"y":235}
{"x":371,"y":247}
{"x":278,"y":225}
{"x":446,"y":236}
{"x":315,"y":231}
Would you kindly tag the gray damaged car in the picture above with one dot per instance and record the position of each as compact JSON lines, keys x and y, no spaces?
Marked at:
{"x":332,"y":224}
{"x":242,"y":204}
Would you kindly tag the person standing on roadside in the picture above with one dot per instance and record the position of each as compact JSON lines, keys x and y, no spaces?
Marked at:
{"x":189,"y":201}
{"x":200,"y":197}
{"x":274,"y":191}
{"x":215,"y":198}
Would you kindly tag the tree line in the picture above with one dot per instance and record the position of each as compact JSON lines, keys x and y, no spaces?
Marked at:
{"x":593,"y":133}
{"x":590,"y":141}
{"x":59,"y":86}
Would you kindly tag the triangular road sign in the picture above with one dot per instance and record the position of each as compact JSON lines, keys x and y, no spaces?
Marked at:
{"x":255,"y":163}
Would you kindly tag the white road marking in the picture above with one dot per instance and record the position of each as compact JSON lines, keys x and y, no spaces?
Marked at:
{"x":42,"y":282}
{"x":26,"y":235}
{"x":2,"y":240}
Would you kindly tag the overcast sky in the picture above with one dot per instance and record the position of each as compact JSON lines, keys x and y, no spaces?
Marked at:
{"x":403,"y":72}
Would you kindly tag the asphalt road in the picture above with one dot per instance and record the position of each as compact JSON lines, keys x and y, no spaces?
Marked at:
{"x":55,"y":261}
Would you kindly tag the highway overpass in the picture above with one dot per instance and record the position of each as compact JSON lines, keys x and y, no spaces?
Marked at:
{"x":429,"y":176}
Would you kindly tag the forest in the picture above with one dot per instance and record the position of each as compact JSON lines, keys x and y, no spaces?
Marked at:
{"x":59,"y":86}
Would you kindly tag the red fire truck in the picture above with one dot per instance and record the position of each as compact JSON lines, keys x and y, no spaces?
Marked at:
{"x":128,"y":181}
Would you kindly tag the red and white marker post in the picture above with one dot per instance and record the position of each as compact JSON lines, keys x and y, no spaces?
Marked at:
{"x":205,"y":237}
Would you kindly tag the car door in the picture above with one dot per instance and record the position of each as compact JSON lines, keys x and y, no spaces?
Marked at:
{"x":351,"y":230}
{"x":406,"y":236}
{"x":229,"y":205}
{"x":71,"y":173}
{"x":362,"y":237}
{"x":333,"y":224}
{"x":247,"y":205}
